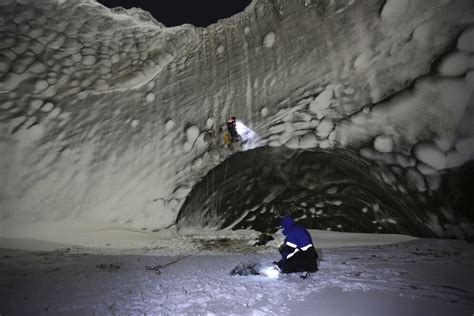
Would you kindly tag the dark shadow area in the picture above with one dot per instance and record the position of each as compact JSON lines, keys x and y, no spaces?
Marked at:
{"x":325,"y":189}
{"x":457,"y":192}
{"x":330,"y":190}
{"x":177,"y":12}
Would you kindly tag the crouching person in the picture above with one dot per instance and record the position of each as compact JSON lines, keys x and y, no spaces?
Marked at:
{"x":297,"y":251}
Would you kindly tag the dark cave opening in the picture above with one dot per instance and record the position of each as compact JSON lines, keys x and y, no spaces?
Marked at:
{"x":177,"y":12}
{"x":322,"y":189}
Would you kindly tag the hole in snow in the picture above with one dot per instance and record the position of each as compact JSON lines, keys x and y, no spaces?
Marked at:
{"x":286,"y":181}
{"x":177,"y":12}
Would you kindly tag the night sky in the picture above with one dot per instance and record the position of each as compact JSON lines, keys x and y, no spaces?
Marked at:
{"x":177,"y":12}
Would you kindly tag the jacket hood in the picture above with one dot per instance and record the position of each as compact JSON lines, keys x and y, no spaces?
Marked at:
{"x":286,"y":222}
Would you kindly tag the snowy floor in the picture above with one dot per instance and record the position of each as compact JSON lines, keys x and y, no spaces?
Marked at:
{"x":418,"y":277}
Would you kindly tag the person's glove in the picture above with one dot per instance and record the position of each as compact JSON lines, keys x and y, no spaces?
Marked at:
{"x":280,"y":246}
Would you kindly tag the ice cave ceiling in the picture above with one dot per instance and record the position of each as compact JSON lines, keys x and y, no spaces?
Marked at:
{"x":359,"y":116}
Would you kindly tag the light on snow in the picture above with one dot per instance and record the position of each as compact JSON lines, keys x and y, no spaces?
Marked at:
{"x":250,"y":139}
{"x":270,"y":272}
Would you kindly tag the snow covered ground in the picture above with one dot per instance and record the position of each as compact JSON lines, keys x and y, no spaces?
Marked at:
{"x":189,"y":275}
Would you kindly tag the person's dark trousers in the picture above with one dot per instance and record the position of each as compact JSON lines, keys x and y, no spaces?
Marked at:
{"x":301,"y":261}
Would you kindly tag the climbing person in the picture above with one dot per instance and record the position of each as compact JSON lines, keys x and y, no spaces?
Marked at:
{"x":232,"y":128}
{"x":297,"y":251}
{"x":228,"y":140}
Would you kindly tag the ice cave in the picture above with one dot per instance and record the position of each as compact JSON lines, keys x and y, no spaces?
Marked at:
{"x":120,"y":195}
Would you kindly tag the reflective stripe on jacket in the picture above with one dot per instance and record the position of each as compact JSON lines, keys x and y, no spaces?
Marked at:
{"x":297,"y":237}
{"x":295,"y":248}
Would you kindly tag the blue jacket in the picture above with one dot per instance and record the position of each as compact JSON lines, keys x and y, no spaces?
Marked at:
{"x":297,"y":237}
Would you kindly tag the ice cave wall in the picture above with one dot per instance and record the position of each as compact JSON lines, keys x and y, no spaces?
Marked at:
{"x":109,"y":115}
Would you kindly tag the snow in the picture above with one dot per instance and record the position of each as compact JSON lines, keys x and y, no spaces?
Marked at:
{"x":47,"y":107}
{"x":55,"y":113}
{"x":470,"y":79}
{"x":324,"y":128}
{"x":250,"y":139}
{"x":425,"y":169}
{"x":150,"y":97}
{"x":465,"y":147}
{"x":150,"y":85}
{"x":269,"y":39}
{"x":383,"y":144}
{"x":332,"y":190}
{"x":308,"y":141}
{"x":394,"y":9}
{"x":422,"y":33}
{"x":321,"y":103}
{"x":169,"y":125}
{"x":41,"y":85}
{"x":456,"y":64}
{"x":103,"y":68}
{"x":363,"y":61}
{"x":466,"y":40}
{"x":430,"y":154}
{"x":454,"y":159}
{"x":89,"y":60}
{"x":192,"y":133}
{"x":210,"y":123}
{"x":7,"y":105}
{"x":417,"y":179}
{"x":434,"y":183}
{"x":190,"y":275}
{"x":134,"y":123}
{"x":36,"y":104}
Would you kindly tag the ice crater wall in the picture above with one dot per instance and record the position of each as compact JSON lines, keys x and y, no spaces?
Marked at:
{"x":109,"y":115}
